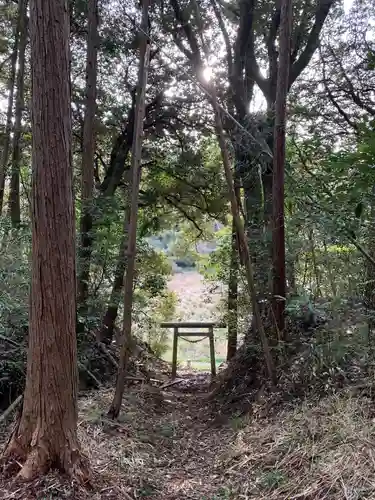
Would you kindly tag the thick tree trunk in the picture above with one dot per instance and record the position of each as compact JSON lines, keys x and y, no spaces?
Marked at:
{"x":242,"y":240}
{"x":252,"y":182}
{"x":232,"y":297}
{"x":267,"y":186}
{"x":126,"y":346}
{"x":88,"y":154}
{"x":14,"y":194}
{"x":46,"y":435}
{"x":8,"y":124}
{"x":278,"y":227}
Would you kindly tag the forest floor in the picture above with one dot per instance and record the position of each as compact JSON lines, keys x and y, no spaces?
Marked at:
{"x":169,"y":445}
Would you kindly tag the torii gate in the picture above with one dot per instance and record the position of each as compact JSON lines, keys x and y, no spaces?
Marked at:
{"x":191,"y":326}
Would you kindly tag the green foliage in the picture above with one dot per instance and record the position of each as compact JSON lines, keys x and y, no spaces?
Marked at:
{"x":14,"y":300}
{"x":156,"y":310}
{"x":272,"y":479}
{"x":330,"y":197}
{"x":152,"y":301}
{"x":215,"y":267}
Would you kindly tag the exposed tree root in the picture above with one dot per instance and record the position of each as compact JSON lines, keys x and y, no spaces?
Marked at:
{"x":29,"y":464}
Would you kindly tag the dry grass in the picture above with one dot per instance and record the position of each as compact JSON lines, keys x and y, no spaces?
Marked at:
{"x":157,"y":450}
{"x":166,"y":447}
{"x":318,"y":451}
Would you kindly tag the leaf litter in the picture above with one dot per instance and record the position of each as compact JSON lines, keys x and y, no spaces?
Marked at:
{"x":168,"y":445}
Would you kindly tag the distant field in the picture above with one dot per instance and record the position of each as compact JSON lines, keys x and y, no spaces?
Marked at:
{"x":197,"y":303}
{"x":205,"y":365}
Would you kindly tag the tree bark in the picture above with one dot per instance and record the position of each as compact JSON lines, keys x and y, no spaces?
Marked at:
{"x":14,"y":194}
{"x":242,"y":239}
{"x":126,"y":345}
{"x":253,"y":204}
{"x":46,"y":434}
{"x":370,"y":267}
{"x":232,"y":297}
{"x":88,"y":155}
{"x":8,"y":125}
{"x":243,"y":247}
{"x":106,"y":332}
{"x":315,"y":270}
{"x":278,"y":232}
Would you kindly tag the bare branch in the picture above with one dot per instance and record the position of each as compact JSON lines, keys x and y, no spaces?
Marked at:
{"x":195,"y":56}
{"x":313,"y":40}
{"x":228,"y":46}
{"x":333,"y":100}
{"x":184,"y":213}
{"x":355,"y":96}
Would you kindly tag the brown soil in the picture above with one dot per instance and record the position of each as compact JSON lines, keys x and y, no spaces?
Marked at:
{"x":167,"y":445}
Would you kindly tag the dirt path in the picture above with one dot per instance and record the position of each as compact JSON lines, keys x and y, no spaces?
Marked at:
{"x":191,"y":455}
{"x":166,"y":447}
{"x":166,"y":444}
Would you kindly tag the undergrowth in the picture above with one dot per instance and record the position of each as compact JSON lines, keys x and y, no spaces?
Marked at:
{"x":313,"y":363}
{"x":317,"y":450}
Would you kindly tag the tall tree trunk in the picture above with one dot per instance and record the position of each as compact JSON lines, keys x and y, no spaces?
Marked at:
{"x":8,"y":125}
{"x":278,"y":232}
{"x":253,"y":204}
{"x":115,"y":407}
{"x":315,"y":270}
{"x":242,"y":238}
{"x":46,"y":434}
{"x":243,"y":247}
{"x":255,"y":229}
{"x":108,"y":323}
{"x":232,"y":297}
{"x":88,"y":155}
{"x":14,"y":194}
{"x":369,"y":292}
{"x":267,"y":185}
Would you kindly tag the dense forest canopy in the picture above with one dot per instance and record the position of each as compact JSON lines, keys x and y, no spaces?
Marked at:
{"x":230,"y":138}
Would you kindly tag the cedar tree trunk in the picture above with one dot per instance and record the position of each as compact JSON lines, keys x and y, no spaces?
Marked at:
{"x":8,"y":124}
{"x":14,"y":194}
{"x":278,"y":233}
{"x":232,"y":297}
{"x":88,"y":154}
{"x":46,"y":434}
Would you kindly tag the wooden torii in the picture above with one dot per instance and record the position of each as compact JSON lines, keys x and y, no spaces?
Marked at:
{"x":188,"y":331}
